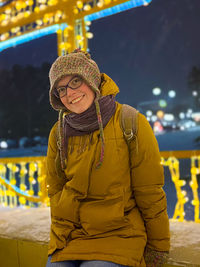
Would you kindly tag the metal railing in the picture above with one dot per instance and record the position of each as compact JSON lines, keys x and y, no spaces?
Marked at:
{"x":23,"y":183}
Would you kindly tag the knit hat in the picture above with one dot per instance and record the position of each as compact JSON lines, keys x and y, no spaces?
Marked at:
{"x":79,"y":63}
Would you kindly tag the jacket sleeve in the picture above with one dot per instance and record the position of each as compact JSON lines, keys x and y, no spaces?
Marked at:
{"x":55,"y":175}
{"x":147,"y":181}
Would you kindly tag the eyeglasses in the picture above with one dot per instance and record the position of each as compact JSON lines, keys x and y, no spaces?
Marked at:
{"x":74,"y":83}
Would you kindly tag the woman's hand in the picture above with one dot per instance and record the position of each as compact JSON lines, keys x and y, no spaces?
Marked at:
{"x":155,"y":258}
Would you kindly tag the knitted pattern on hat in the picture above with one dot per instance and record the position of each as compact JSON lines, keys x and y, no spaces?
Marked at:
{"x":75,"y":63}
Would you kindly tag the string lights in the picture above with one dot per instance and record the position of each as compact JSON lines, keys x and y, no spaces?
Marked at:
{"x":23,"y":21}
{"x":22,"y":183}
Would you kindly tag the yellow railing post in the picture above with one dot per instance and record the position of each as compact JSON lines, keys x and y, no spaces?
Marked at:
{"x":173,"y":165}
{"x":194,"y":185}
{"x":43,"y":185}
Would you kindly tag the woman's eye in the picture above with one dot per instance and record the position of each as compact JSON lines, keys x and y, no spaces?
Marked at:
{"x":61,"y":90}
{"x":76,"y":80}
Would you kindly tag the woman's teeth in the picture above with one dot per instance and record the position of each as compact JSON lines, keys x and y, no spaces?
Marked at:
{"x":77,"y":99}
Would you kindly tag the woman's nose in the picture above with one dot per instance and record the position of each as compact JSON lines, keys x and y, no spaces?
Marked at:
{"x":70,"y":91}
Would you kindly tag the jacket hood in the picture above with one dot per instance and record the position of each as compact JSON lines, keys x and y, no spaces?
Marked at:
{"x":108,"y":86}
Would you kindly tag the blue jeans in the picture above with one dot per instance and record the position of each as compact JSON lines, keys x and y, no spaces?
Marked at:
{"x":82,"y":263}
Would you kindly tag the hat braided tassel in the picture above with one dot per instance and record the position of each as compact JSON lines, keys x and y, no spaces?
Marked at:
{"x":61,"y":140}
{"x":99,"y":118}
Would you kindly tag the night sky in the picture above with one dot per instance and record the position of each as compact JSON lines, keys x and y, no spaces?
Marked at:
{"x":142,"y":48}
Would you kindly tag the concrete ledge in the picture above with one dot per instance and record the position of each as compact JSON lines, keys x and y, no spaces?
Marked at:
{"x":19,"y":253}
{"x":24,"y":235}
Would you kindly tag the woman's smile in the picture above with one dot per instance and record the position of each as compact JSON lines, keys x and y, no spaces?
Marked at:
{"x":77,"y":99}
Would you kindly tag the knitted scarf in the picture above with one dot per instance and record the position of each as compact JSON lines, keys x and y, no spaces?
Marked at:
{"x":87,"y":121}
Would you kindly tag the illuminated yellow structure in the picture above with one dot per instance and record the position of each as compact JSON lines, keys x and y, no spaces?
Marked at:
{"x":25,"y":20}
{"x":26,"y":184}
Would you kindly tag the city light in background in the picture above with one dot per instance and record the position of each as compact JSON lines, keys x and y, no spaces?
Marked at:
{"x":162,"y":120}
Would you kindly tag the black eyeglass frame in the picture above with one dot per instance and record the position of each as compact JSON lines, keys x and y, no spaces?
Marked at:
{"x":67,"y":85}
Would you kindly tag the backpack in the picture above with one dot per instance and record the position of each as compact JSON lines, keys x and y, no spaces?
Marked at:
{"x":128,"y":122}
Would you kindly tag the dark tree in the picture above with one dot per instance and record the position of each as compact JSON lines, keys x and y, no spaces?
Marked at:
{"x":24,"y":102}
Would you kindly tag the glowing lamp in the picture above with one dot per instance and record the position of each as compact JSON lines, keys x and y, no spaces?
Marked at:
{"x":40,"y":179}
{"x":88,"y":23}
{"x":149,"y":113}
{"x":89,"y":35}
{"x":8,"y":10}
{"x":160,"y":114}
{"x":22,"y":200}
{"x":23,"y":187}
{"x":42,"y":7}
{"x":19,"y":5}
{"x":27,"y":14}
{"x":75,"y":11}
{"x":31,"y":179}
{"x":30,"y":192}
{"x":13,"y":182}
{"x":194,"y":93}
{"x":107,"y":2}
{"x":87,"y":7}
{"x":156,"y":91}
{"x":172,"y":93}
{"x":5,"y":22}
{"x":29,"y":2}
{"x":79,"y":37}
{"x":79,"y":4}
{"x":67,"y":45}
{"x":3,"y":144}
{"x":39,"y":22}
{"x":14,"y":19}
{"x":100,"y":4}
{"x":62,"y":45}
{"x":37,"y":9}
{"x":162,"y":103}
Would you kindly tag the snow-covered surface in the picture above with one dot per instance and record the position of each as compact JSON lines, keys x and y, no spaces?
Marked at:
{"x":185,"y":243}
{"x":174,"y":140}
{"x":33,"y":224}
{"x":179,"y":140}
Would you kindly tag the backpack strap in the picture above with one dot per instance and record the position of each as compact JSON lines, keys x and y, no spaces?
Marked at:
{"x":128,"y":123}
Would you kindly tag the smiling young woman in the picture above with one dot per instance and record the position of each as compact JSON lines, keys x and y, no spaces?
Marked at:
{"x":108,"y":207}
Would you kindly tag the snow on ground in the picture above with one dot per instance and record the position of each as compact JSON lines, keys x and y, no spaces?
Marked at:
{"x":179,"y":140}
{"x":185,"y":243}
{"x":174,"y":140}
{"x":33,"y":224}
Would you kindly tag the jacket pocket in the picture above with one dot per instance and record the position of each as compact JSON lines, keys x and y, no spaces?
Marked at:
{"x":65,"y":205}
{"x":103,"y":215}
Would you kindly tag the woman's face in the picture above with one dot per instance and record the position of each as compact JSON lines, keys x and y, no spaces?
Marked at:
{"x":76,"y":100}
